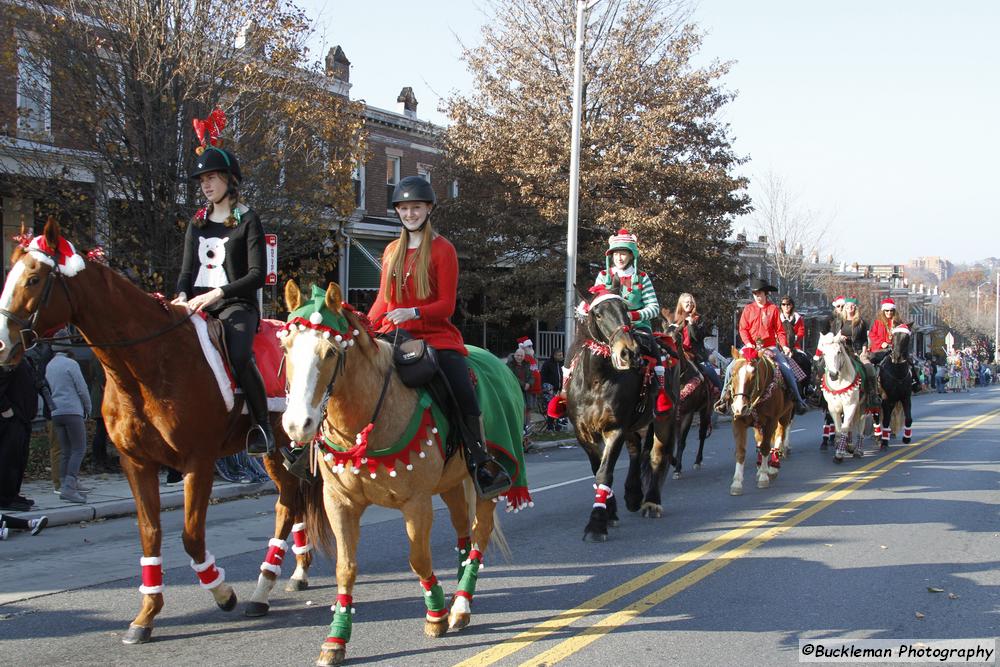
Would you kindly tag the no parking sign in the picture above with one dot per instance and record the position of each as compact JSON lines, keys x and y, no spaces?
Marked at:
{"x":271,"y":258}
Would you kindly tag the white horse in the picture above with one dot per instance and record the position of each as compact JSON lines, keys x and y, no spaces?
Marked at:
{"x":843,"y":389}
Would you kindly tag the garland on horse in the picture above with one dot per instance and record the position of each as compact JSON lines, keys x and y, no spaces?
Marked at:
{"x":845,"y":394}
{"x":152,"y":358}
{"x":759,"y":402}
{"x":339,"y":378}
{"x":610,"y":400}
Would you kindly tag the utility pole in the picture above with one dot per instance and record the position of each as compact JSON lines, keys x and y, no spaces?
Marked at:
{"x":582,"y":6}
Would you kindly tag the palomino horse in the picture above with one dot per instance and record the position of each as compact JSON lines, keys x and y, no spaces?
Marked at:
{"x":694,"y":398}
{"x":759,"y":402}
{"x":844,"y":393}
{"x":896,"y":381}
{"x":160,"y":407}
{"x":610,"y":401}
{"x":339,"y":378}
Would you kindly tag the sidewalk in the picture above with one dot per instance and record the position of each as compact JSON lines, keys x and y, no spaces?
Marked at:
{"x":112,"y":497}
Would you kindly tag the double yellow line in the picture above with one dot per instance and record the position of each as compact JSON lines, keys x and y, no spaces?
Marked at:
{"x":851,"y":481}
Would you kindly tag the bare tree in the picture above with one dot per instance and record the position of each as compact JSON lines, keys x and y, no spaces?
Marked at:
{"x":794,"y":233}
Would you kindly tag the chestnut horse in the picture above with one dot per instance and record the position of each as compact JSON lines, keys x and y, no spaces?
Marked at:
{"x":161,"y":408}
{"x":339,"y":378}
{"x":610,"y":400}
{"x":759,"y":402}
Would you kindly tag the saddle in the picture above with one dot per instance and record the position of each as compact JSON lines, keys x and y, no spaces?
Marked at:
{"x":417,"y":365}
{"x":267,"y":353}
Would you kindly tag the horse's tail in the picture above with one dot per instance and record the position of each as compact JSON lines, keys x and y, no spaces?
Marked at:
{"x":897,"y":418}
{"x":497,"y":537}
{"x":317,"y":522}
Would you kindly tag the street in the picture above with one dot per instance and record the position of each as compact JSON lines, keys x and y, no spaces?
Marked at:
{"x":858,"y":550}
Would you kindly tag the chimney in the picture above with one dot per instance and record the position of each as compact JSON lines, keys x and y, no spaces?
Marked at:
{"x":407,"y":103}
{"x":337,"y":65}
{"x":762,"y":239}
{"x":741,"y":237}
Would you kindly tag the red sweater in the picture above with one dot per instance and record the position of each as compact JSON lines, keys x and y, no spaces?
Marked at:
{"x":797,"y":324}
{"x":877,"y":335}
{"x":434,"y":324}
{"x":763,"y":323}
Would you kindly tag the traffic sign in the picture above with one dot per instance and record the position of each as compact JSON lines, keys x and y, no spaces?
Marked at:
{"x":271,"y":256}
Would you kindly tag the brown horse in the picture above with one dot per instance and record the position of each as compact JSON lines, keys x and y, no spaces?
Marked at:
{"x":759,"y":402}
{"x":339,"y":377}
{"x":161,"y":406}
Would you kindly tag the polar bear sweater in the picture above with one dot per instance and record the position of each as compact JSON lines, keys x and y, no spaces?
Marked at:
{"x":229,"y":258}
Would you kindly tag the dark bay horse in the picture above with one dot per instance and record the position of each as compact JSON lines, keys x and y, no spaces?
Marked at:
{"x":694,"y":397}
{"x":339,"y":376}
{"x":162,"y":407}
{"x":895,"y":378}
{"x":610,"y":401}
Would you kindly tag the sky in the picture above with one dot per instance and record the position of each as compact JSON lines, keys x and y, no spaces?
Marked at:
{"x":881,"y":118}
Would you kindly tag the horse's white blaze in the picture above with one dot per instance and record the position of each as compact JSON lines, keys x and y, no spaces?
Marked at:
{"x":741,"y":379}
{"x":302,"y":388}
{"x":6,"y":299}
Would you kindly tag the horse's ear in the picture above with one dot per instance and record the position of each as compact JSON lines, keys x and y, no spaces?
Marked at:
{"x":293,"y":297}
{"x":334,"y":298}
{"x":581,"y":294}
{"x":909,"y":325}
{"x":735,"y":354}
{"x":51,"y":232}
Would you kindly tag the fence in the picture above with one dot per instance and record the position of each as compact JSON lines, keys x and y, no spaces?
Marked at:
{"x":548,"y":342}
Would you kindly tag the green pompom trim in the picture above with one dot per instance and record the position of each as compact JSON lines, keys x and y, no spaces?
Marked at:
{"x":340,"y":627}
{"x":434,"y":598}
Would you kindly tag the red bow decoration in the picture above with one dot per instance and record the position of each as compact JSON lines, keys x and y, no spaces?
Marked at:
{"x":208,"y":129}
{"x":24,"y":239}
{"x":98,"y":255}
{"x":599,"y":290}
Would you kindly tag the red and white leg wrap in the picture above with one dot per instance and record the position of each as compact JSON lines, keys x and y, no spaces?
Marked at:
{"x":878,"y":431}
{"x":152,"y":575}
{"x":907,"y":432}
{"x":300,"y":541}
{"x":602,"y":495}
{"x":209,"y":575}
{"x":275,"y":554}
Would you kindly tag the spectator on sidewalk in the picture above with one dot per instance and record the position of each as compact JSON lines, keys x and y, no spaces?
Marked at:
{"x":552,"y":379}
{"x":18,"y":406}
{"x":9,"y":523}
{"x":522,"y":371}
{"x":71,"y":400}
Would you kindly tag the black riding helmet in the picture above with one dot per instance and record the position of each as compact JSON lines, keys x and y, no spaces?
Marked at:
{"x":413,"y":188}
{"x":217,"y":159}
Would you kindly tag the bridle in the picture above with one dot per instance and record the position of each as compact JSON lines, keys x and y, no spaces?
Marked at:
{"x":598,"y":336}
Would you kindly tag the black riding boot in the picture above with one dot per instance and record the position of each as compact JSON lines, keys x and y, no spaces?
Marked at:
{"x":260,"y":438}
{"x":488,"y":476}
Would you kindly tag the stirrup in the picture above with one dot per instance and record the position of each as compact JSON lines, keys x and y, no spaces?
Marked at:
{"x":296,"y":461}
{"x":258,"y":443}
{"x":490,"y":479}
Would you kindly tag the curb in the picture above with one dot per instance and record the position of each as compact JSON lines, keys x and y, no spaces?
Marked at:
{"x":118,"y":507}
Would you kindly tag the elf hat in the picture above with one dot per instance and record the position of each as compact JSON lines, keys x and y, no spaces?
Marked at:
{"x":888,"y":304}
{"x":851,"y":300}
{"x":623,"y":240}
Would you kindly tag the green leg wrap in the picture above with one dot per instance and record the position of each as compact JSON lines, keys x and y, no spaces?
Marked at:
{"x":469,"y":578}
{"x":340,"y":627}
{"x":463,"y":555}
{"x":434,"y":599}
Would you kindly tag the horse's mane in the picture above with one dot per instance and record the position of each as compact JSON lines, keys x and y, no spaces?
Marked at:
{"x":135,"y":296}
{"x":378,"y":352}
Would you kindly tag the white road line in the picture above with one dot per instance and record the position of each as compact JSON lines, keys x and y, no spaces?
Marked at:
{"x":566,"y":483}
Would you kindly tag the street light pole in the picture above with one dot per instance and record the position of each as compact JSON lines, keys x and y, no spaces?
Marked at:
{"x":996,"y":326}
{"x":574,"y":173}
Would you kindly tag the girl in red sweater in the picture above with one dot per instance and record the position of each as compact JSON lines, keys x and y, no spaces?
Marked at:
{"x":417,"y":292}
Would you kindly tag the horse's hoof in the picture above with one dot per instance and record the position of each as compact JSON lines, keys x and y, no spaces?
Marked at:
{"x":229,"y":604}
{"x":824,"y":445}
{"x":255,"y":609}
{"x":652,"y":511}
{"x":613,"y":522}
{"x":858,"y":453}
{"x":906,"y":440}
{"x":331,"y":656}
{"x":884,"y":446}
{"x":137,"y":634}
{"x":594,"y":536}
{"x":772,"y":476}
{"x":296,"y":585}
{"x":736,"y":490}
{"x":838,"y":459}
{"x":697,"y":466}
{"x":435,"y":629}
{"x":763,"y":483}
{"x":459,"y":621}
{"x":677,"y":475}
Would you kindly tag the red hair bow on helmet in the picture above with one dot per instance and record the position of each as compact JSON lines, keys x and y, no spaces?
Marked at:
{"x":208,"y":129}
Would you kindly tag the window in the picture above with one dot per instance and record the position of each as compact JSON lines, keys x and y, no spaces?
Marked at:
{"x":453,"y":189}
{"x":424,"y":172}
{"x":358,"y":181}
{"x":391,"y":178}
{"x":34,"y":89}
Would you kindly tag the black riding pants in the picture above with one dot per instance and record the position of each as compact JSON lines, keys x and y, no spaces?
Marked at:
{"x":240,"y":325}
{"x":455,"y":368}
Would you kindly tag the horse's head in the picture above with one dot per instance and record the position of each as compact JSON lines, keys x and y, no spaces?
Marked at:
{"x":316,"y":341}
{"x":900,"y":342}
{"x":746,"y":380}
{"x":835,"y":356}
{"x":29,"y":302}
{"x":609,"y":323}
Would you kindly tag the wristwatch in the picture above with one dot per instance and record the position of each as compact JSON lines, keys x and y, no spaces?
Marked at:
{"x":416,"y":313}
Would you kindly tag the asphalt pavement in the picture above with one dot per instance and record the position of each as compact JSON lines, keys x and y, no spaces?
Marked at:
{"x":898,"y":544}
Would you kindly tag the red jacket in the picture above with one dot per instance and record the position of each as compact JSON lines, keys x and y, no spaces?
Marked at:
{"x":877,"y":335}
{"x":763,"y":323}
{"x":536,"y":376}
{"x":798,"y":327}
{"x":434,"y":324}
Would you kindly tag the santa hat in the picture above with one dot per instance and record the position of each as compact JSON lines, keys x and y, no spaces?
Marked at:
{"x":524,"y":341}
{"x":839,"y":301}
{"x":888,"y":304}
{"x":902,"y":328}
{"x":70,"y":263}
